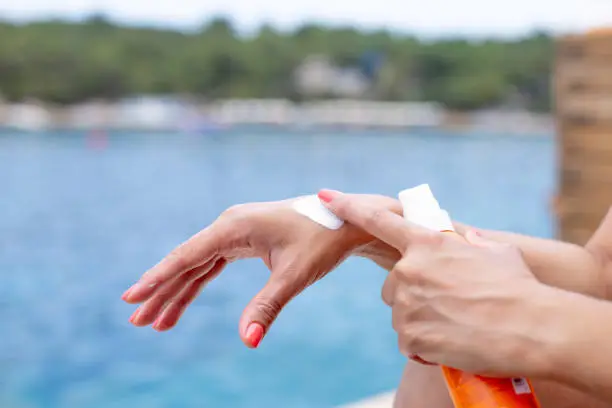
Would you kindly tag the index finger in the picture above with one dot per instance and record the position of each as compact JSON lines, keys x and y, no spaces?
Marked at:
{"x":377,"y":220}
{"x":195,"y":252}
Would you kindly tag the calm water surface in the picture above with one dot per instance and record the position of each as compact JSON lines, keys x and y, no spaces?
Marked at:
{"x":81,"y":219}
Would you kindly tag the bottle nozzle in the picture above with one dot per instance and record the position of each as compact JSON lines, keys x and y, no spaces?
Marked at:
{"x":421,"y":208}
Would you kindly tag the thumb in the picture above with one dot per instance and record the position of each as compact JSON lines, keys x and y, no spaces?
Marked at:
{"x":475,"y":238}
{"x":263,"y":309}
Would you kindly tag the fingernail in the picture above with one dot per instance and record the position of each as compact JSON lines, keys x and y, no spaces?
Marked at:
{"x":254,"y":334}
{"x":157,"y":324}
{"x":139,"y":287}
{"x":134,"y":315}
{"x":419,"y":360}
{"x":126,"y":294}
{"x":328,"y":195}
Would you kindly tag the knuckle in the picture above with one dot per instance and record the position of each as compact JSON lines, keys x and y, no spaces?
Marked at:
{"x":433,"y":239}
{"x":387,"y":295}
{"x":511,"y":249}
{"x":408,"y":342}
{"x":233,"y":211}
{"x":402,"y":266}
{"x":388,"y":290}
{"x":176,"y":307}
{"x":414,"y":269}
{"x":373,"y":217}
{"x":342,"y":208}
{"x":412,"y":274}
{"x":235,"y":214}
{"x":413,"y":340}
{"x":235,"y":222}
{"x":402,"y":299}
{"x":176,"y":260}
{"x":182,"y":302}
{"x":506,"y":249}
{"x":433,"y":339}
{"x":268,"y":308}
{"x":397,"y":319}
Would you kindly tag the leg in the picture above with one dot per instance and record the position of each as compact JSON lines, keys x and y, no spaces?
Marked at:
{"x":424,"y":386}
{"x":553,"y":395}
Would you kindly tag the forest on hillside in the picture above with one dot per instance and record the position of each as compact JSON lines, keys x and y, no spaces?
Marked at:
{"x":69,"y":62}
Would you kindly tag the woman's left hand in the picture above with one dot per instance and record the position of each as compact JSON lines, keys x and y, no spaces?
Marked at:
{"x":472,"y":305}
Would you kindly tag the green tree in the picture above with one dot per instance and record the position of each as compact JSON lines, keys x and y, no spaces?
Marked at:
{"x":68,"y":62}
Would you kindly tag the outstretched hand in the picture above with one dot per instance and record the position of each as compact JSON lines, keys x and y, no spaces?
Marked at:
{"x":297,"y":251}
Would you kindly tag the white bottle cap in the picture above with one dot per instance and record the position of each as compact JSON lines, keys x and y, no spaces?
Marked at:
{"x":421,"y":208}
{"x":311,"y":207}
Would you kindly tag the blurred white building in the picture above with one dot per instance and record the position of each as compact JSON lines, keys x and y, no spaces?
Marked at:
{"x":356,"y":113}
{"x":149,"y":113}
{"x":318,"y":76}
{"x":91,"y":115}
{"x":253,"y":112}
{"x":27,"y":116}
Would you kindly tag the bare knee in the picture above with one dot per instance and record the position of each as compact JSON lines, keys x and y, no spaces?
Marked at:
{"x":553,"y":395}
{"x":422,"y":386}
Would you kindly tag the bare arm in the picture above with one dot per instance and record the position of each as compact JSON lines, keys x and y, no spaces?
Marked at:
{"x":600,"y":245}
{"x":586,"y":270}
{"x":578,"y":348}
{"x":555,"y":263}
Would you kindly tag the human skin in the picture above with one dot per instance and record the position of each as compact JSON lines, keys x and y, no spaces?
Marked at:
{"x":437,"y":289}
{"x":299,"y":252}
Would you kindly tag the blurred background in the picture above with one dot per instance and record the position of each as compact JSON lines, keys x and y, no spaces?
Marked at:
{"x":126,"y":127}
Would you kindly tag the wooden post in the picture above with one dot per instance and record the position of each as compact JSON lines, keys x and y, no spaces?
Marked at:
{"x":583,"y":86}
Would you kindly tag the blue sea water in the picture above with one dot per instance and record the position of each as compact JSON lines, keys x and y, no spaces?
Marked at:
{"x":80,"y":221}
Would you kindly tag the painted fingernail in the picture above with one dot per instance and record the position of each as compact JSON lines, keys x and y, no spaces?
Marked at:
{"x":134,"y":315}
{"x":157,"y":324}
{"x":126,"y":294}
{"x":139,"y":287}
{"x":328,"y":195}
{"x":254,"y":334}
{"x":419,"y":360}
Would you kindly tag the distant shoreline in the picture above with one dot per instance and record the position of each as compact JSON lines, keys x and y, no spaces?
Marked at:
{"x":148,"y":114}
{"x":260,"y":130}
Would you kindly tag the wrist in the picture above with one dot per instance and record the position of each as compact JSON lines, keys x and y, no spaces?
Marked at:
{"x":541,"y":329}
{"x":569,"y":331}
{"x":580,"y":350}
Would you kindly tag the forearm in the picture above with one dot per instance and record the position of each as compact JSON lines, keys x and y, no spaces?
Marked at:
{"x":586,"y":270}
{"x":555,"y":263}
{"x":579,"y":349}
{"x":601,"y":246}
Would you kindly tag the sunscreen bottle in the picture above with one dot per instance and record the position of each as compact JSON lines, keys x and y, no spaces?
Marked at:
{"x":466,"y":390}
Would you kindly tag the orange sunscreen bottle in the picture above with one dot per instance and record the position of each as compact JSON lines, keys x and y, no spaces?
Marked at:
{"x":466,"y":390}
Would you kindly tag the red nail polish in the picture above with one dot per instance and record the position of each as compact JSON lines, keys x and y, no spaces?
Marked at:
{"x":157,"y":324}
{"x":327,"y":195}
{"x":419,"y":360}
{"x":126,"y":294}
{"x":254,"y":334}
{"x":134,"y":315}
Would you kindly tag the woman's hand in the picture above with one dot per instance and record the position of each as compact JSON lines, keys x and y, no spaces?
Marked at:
{"x":297,"y":251}
{"x":473,"y":305}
